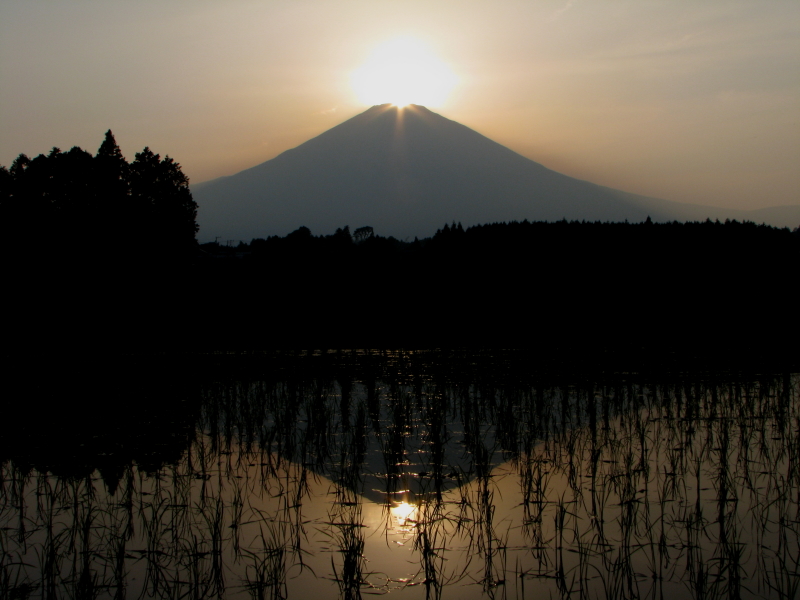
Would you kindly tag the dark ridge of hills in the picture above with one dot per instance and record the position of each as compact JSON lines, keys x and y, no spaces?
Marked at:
{"x":405,"y":172}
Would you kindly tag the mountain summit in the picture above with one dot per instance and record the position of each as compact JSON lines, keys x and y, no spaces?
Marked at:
{"x":406,"y":172}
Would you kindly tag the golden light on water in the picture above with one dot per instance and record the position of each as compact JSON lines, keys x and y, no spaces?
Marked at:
{"x":403,"y":71}
{"x":403,"y":512}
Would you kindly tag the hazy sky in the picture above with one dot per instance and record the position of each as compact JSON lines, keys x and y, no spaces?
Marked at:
{"x":690,"y":101}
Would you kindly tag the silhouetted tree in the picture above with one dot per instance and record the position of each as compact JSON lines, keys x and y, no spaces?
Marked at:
{"x":343,"y":234}
{"x":300,"y":235}
{"x":6,"y":181}
{"x":161,"y":198}
{"x":113,"y":170}
{"x":362,"y":233}
{"x":74,"y":202}
{"x":19,"y":165}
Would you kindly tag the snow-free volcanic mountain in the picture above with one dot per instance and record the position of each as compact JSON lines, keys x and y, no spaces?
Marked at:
{"x":406,"y":172}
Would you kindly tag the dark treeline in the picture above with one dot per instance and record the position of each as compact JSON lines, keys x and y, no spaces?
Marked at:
{"x":687,"y":288}
{"x":115,"y":212}
{"x":94,"y":245}
{"x":99,"y":252}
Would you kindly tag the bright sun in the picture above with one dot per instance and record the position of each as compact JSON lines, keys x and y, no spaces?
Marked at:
{"x":403,"y":71}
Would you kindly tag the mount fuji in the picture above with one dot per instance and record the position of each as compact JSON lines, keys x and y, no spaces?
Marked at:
{"x":406,"y":172}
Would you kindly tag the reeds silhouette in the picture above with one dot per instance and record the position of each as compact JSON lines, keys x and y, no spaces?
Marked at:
{"x":623,"y":486}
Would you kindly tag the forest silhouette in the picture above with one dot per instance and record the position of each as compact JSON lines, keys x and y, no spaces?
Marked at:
{"x":101,"y":253}
{"x":117,"y":213}
{"x":707,"y":289}
{"x":94,"y":248}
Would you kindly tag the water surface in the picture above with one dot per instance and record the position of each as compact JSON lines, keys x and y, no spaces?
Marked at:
{"x":422,"y":482}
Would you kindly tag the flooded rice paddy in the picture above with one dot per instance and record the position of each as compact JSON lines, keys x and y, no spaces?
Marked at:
{"x":419,"y":484}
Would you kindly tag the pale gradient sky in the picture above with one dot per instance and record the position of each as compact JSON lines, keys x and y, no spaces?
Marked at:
{"x":689,"y":101}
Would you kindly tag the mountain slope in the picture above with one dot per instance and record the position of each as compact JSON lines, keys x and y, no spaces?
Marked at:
{"x":405,"y":173}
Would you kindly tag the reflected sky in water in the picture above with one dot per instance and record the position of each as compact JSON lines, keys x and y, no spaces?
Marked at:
{"x":427,"y":487}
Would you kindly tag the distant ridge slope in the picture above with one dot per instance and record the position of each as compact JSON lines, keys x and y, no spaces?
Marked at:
{"x":406,"y":172}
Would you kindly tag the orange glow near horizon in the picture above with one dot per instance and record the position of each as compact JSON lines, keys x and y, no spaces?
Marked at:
{"x":403,"y":71}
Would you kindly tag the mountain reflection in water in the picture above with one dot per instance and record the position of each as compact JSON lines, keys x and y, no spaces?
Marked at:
{"x":428,"y":483}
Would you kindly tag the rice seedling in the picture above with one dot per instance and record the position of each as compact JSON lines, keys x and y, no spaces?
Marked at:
{"x":623,"y":486}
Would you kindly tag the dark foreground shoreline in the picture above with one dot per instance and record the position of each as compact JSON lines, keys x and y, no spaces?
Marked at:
{"x":569,"y":296}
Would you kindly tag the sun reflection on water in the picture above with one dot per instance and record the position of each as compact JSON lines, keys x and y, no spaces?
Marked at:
{"x":404,"y":513}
